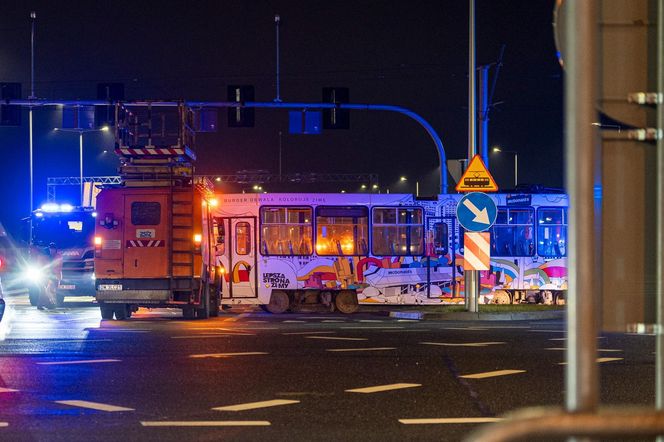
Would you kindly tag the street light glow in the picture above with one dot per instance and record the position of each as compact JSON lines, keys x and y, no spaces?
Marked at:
{"x":497,"y":149}
{"x":403,"y":178}
{"x":104,"y":128}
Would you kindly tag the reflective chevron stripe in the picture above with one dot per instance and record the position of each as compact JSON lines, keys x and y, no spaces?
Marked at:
{"x":145,"y":243}
{"x":477,"y":252}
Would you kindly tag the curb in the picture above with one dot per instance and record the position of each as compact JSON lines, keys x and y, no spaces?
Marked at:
{"x":471,"y":316}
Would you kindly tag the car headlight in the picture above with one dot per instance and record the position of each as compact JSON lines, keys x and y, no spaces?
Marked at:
{"x":33,"y":274}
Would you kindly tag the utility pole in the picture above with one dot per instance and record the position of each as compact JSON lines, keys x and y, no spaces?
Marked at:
{"x":471,"y":277}
{"x":277,"y":22}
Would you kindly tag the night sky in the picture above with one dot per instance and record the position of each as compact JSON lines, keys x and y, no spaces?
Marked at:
{"x":412,"y":54}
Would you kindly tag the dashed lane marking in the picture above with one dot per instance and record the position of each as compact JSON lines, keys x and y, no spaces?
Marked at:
{"x":255,"y":405}
{"x":451,"y":420}
{"x":361,"y":349}
{"x":236,"y":318}
{"x":225,"y":355}
{"x":332,"y":320}
{"x":379,"y":388}
{"x":217,"y":335}
{"x":94,"y":406}
{"x":466,"y":344}
{"x":309,"y":333}
{"x":335,"y":338}
{"x":371,"y":320}
{"x":205,"y":423}
{"x":492,"y":374}
{"x":465,"y":328}
{"x":364,"y":327}
{"x":292,"y":321}
{"x":599,"y":360}
{"x":599,"y":349}
{"x":84,"y":361}
{"x":565,"y":339}
{"x":7,"y":390}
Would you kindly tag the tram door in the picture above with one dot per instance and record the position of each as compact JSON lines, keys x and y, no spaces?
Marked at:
{"x":441,"y":244}
{"x":241,"y":257}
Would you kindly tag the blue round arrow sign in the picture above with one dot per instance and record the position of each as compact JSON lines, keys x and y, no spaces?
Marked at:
{"x":476,"y":212}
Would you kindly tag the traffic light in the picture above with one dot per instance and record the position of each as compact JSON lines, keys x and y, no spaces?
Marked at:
{"x":336,"y":118}
{"x":10,"y":115}
{"x":240,"y":116}
{"x":105,"y":115}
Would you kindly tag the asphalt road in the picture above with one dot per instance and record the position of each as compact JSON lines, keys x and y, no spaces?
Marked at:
{"x":67,"y":375}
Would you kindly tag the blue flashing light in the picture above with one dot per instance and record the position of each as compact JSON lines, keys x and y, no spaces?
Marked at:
{"x":50,"y":207}
{"x":597,"y":192}
{"x":66,"y":207}
{"x":94,"y":214}
{"x":39,"y":214}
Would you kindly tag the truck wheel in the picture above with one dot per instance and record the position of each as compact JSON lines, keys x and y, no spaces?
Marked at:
{"x":346,"y":301}
{"x":188,"y":312}
{"x":106,"y":311}
{"x":33,"y":294}
{"x":279,"y":302}
{"x":214,"y":305}
{"x":120,"y":311}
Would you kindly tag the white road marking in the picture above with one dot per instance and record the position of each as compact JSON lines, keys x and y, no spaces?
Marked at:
{"x":370,"y":327}
{"x":599,"y":349}
{"x":7,"y":390}
{"x":4,"y":424}
{"x":205,"y":423}
{"x":224,"y":355}
{"x":293,"y":321}
{"x":408,"y":320}
{"x":465,"y":328}
{"x":309,"y":333}
{"x":599,"y":360}
{"x":331,"y":320}
{"x":380,"y":388}
{"x":491,"y":374}
{"x":361,"y":349}
{"x":467,"y":344}
{"x":85,"y":361}
{"x":94,"y":406}
{"x":335,"y":338}
{"x":254,"y":405}
{"x":451,"y":420}
{"x":218,"y":335}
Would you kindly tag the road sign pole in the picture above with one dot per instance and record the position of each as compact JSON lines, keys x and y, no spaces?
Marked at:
{"x":471,"y":286}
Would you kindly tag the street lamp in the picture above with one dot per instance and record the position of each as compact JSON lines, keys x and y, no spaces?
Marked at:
{"x":403,"y":179}
{"x":516,"y":162}
{"x":80,"y":147}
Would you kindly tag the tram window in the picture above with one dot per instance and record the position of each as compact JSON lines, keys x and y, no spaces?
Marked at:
{"x":552,"y":232}
{"x":512,"y":234}
{"x":286,"y":231}
{"x":242,"y":238}
{"x":397,"y":231}
{"x":440,"y":238}
{"x":220,"y":237}
{"x":342,"y":230}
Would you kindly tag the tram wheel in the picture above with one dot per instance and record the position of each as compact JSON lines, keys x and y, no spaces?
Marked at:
{"x":279,"y":302}
{"x":346,"y":301}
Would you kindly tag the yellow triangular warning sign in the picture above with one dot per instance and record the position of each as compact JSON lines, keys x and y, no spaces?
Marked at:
{"x":476,"y":177}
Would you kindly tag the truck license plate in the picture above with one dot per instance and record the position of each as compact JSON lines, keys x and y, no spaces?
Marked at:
{"x":110,"y":287}
{"x":66,"y":286}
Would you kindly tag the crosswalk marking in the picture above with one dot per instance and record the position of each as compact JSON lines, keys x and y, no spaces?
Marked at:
{"x":466,"y":344}
{"x":361,"y":349}
{"x":85,"y":361}
{"x":451,"y":420}
{"x":599,"y":360}
{"x":205,"y":423}
{"x":94,"y":406}
{"x":223,"y":355}
{"x":491,"y":374}
{"x":380,"y":388}
{"x":7,"y":390}
{"x":335,"y":338}
{"x":254,"y":405}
